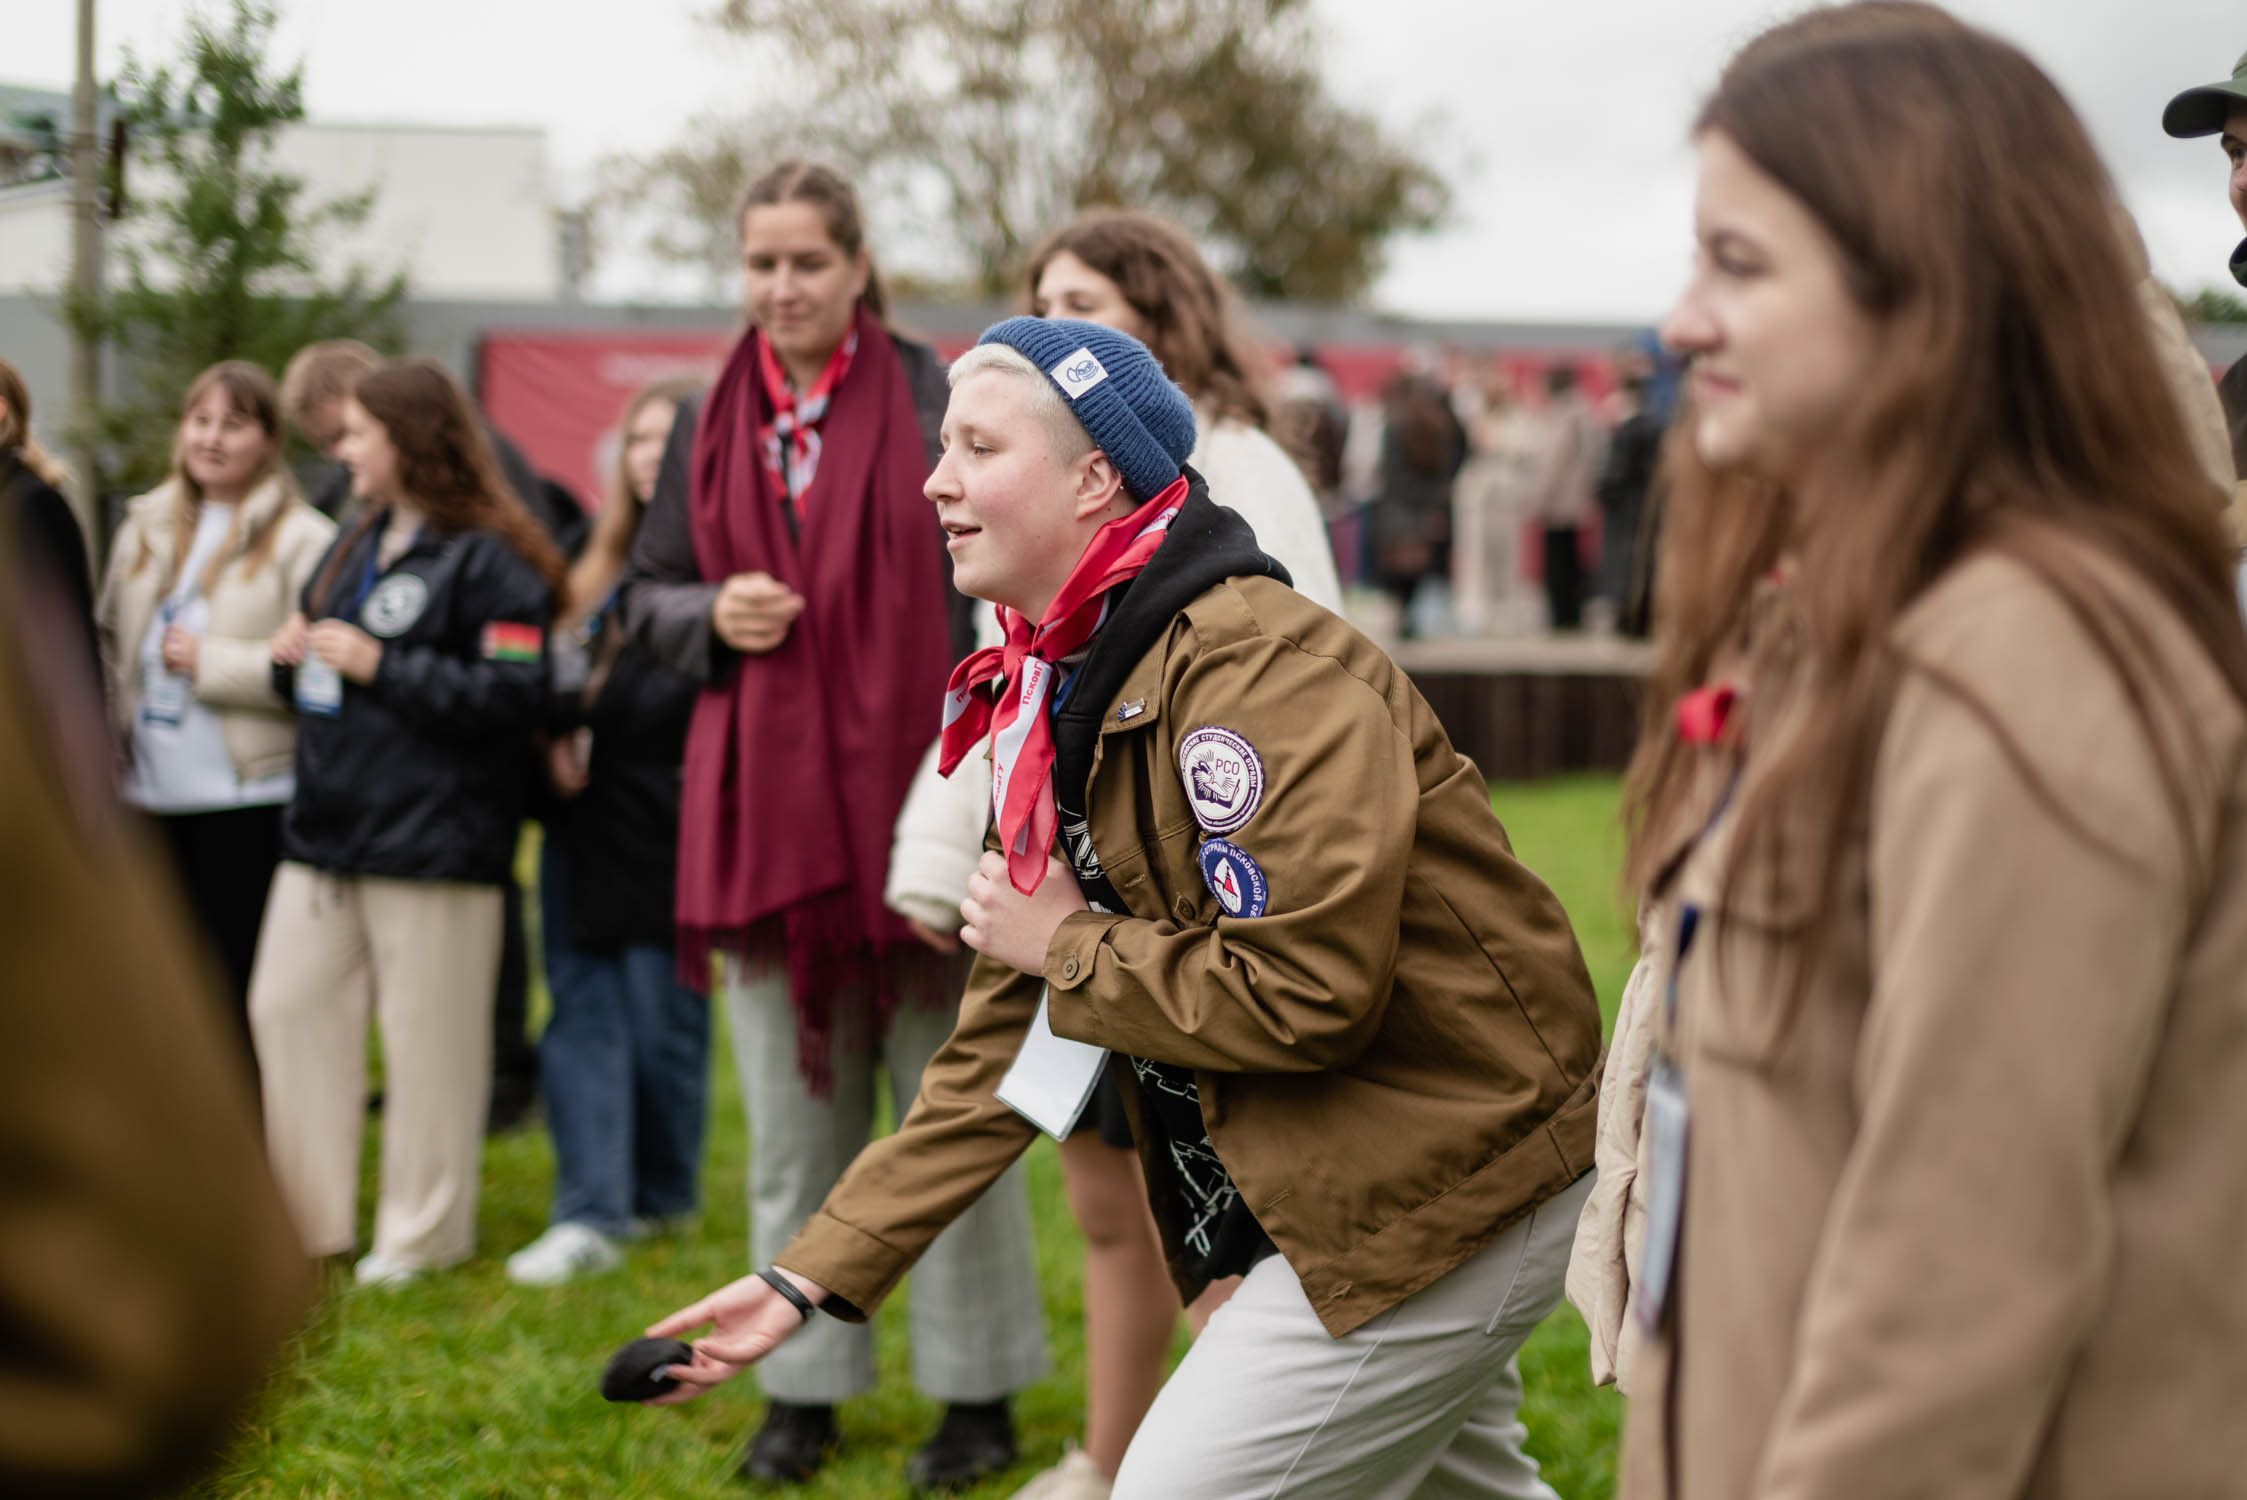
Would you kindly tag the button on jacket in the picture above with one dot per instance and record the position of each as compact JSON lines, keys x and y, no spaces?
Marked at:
{"x":1395,"y":1061}
{"x":424,"y":775}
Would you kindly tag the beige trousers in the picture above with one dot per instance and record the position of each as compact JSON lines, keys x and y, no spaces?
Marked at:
{"x":978,"y":1323}
{"x":421,"y":958}
{"x":1419,"y":1403}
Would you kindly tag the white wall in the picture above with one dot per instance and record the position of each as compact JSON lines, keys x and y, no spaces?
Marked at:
{"x":464,"y":211}
{"x":35,"y":238}
{"x":467,"y":211}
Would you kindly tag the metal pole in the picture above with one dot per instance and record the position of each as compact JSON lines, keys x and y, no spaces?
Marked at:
{"x":85,"y":281}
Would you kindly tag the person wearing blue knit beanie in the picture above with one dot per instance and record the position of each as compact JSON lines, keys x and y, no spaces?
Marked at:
{"x":1237,"y":867}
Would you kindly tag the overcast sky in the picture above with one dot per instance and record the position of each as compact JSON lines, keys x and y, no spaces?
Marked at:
{"x":1564,"y":118}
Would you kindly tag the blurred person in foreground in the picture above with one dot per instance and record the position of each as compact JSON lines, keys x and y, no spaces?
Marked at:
{"x":1940,"y":816}
{"x":1354,"y":1036}
{"x":204,"y":569}
{"x":50,"y":545}
{"x":789,"y":564}
{"x":315,"y":388}
{"x":148,"y":1276}
{"x":2220,"y":110}
{"x":417,"y":665}
{"x":624,"y":1060}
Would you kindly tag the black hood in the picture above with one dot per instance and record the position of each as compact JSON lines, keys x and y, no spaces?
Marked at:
{"x":1206,"y":545}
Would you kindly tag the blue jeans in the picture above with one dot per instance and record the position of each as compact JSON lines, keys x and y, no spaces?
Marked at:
{"x":625,"y":1066}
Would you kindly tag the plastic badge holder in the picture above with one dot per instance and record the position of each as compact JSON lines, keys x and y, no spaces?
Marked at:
{"x":319,"y":688}
{"x":163,"y":695}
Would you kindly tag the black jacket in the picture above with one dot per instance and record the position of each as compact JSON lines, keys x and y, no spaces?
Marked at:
{"x":422,"y":776}
{"x":52,"y":552}
{"x":620,"y":836}
{"x":665,"y":601}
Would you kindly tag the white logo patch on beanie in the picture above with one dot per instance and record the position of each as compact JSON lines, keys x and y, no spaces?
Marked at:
{"x":1078,"y":373}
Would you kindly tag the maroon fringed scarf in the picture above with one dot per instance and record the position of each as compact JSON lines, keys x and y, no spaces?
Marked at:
{"x":798,"y":760}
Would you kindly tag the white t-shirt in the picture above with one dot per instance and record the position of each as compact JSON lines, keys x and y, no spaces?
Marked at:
{"x":180,"y":762}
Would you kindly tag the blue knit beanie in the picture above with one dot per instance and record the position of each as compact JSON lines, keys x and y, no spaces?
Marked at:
{"x":1116,"y":390}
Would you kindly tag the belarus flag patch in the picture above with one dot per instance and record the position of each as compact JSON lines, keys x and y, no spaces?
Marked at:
{"x":504,"y":640}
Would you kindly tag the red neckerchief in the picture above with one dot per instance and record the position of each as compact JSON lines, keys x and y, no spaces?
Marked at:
{"x":790,"y":441}
{"x":1020,"y":727}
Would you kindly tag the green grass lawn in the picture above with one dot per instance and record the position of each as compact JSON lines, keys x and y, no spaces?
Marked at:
{"x":466,"y":1386}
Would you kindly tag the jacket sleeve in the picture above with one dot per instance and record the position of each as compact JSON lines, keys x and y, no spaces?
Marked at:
{"x":2022,"y":962}
{"x":473,"y":691}
{"x":1301,"y":988}
{"x":903,"y":1190}
{"x":1602,"y":1266}
{"x":663,"y":599}
{"x":237,"y":672}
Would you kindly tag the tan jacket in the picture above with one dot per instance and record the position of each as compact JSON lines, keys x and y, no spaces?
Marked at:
{"x":234,"y":670}
{"x":1973,"y":1225}
{"x":1395,"y":1062}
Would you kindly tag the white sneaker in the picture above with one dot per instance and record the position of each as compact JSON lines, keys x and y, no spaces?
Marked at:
{"x":565,"y":1252}
{"x":377,"y":1269}
{"x":1076,"y":1477}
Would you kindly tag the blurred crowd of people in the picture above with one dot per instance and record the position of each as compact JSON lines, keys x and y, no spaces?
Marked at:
{"x":1489,"y":495}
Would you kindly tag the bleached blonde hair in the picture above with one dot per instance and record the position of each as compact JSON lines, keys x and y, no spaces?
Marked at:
{"x":1066,"y":438}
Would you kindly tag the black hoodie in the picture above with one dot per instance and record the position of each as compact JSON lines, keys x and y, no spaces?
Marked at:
{"x":1206,"y":545}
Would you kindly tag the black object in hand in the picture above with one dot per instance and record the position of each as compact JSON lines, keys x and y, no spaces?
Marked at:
{"x":631,"y":1375}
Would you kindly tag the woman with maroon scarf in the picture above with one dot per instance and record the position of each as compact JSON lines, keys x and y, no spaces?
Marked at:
{"x":790,"y":562}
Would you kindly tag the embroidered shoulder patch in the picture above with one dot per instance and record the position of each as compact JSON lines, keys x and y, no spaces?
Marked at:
{"x":505,"y":640}
{"x":1234,"y":879}
{"x":1224,"y":778}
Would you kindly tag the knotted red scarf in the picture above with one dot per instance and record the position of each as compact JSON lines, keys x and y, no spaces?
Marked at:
{"x":1020,"y":726}
{"x":790,"y":440}
{"x":798,"y":760}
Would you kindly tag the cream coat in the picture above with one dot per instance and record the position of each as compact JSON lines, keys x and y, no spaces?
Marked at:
{"x":234,"y":670}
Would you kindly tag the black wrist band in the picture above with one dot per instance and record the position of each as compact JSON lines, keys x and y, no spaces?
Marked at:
{"x":781,"y":1284}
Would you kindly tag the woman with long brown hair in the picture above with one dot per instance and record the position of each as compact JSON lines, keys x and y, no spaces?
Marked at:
{"x":623,"y":1059}
{"x":205,"y":567}
{"x":790,"y":563}
{"x":1940,"y":815}
{"x":417,"y":665}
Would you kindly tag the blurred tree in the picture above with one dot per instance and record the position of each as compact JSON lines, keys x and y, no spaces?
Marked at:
{"x":1001,"y":118}
{"x":2213,"y":305}
{"x":216,"y":255}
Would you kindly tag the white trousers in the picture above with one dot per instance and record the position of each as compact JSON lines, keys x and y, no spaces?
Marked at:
{"x":978,"y":1323}
{"x":1419,"y":1402}
{"x":420,"y":957}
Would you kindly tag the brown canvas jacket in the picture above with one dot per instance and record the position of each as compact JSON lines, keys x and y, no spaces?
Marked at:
{"x":1396,"y":1061}
{"x":1972,"y":1223}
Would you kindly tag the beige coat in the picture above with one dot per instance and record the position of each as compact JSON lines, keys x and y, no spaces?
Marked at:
{"x":234,"y":670}
{"x":1604,"y":1267}
{"x":1973,"y":1225}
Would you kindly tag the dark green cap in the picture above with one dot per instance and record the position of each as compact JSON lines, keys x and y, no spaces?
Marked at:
{"x":2202,"y":111}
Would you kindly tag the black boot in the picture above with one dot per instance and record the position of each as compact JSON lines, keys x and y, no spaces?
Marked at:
{"x":792,"y":1445}
{"x":972,"y":1443}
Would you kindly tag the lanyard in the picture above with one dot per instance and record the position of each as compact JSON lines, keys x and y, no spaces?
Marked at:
{"x":369,"y":572}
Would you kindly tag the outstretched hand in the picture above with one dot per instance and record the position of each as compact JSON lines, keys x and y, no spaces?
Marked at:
{"x":749,"y":1320}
